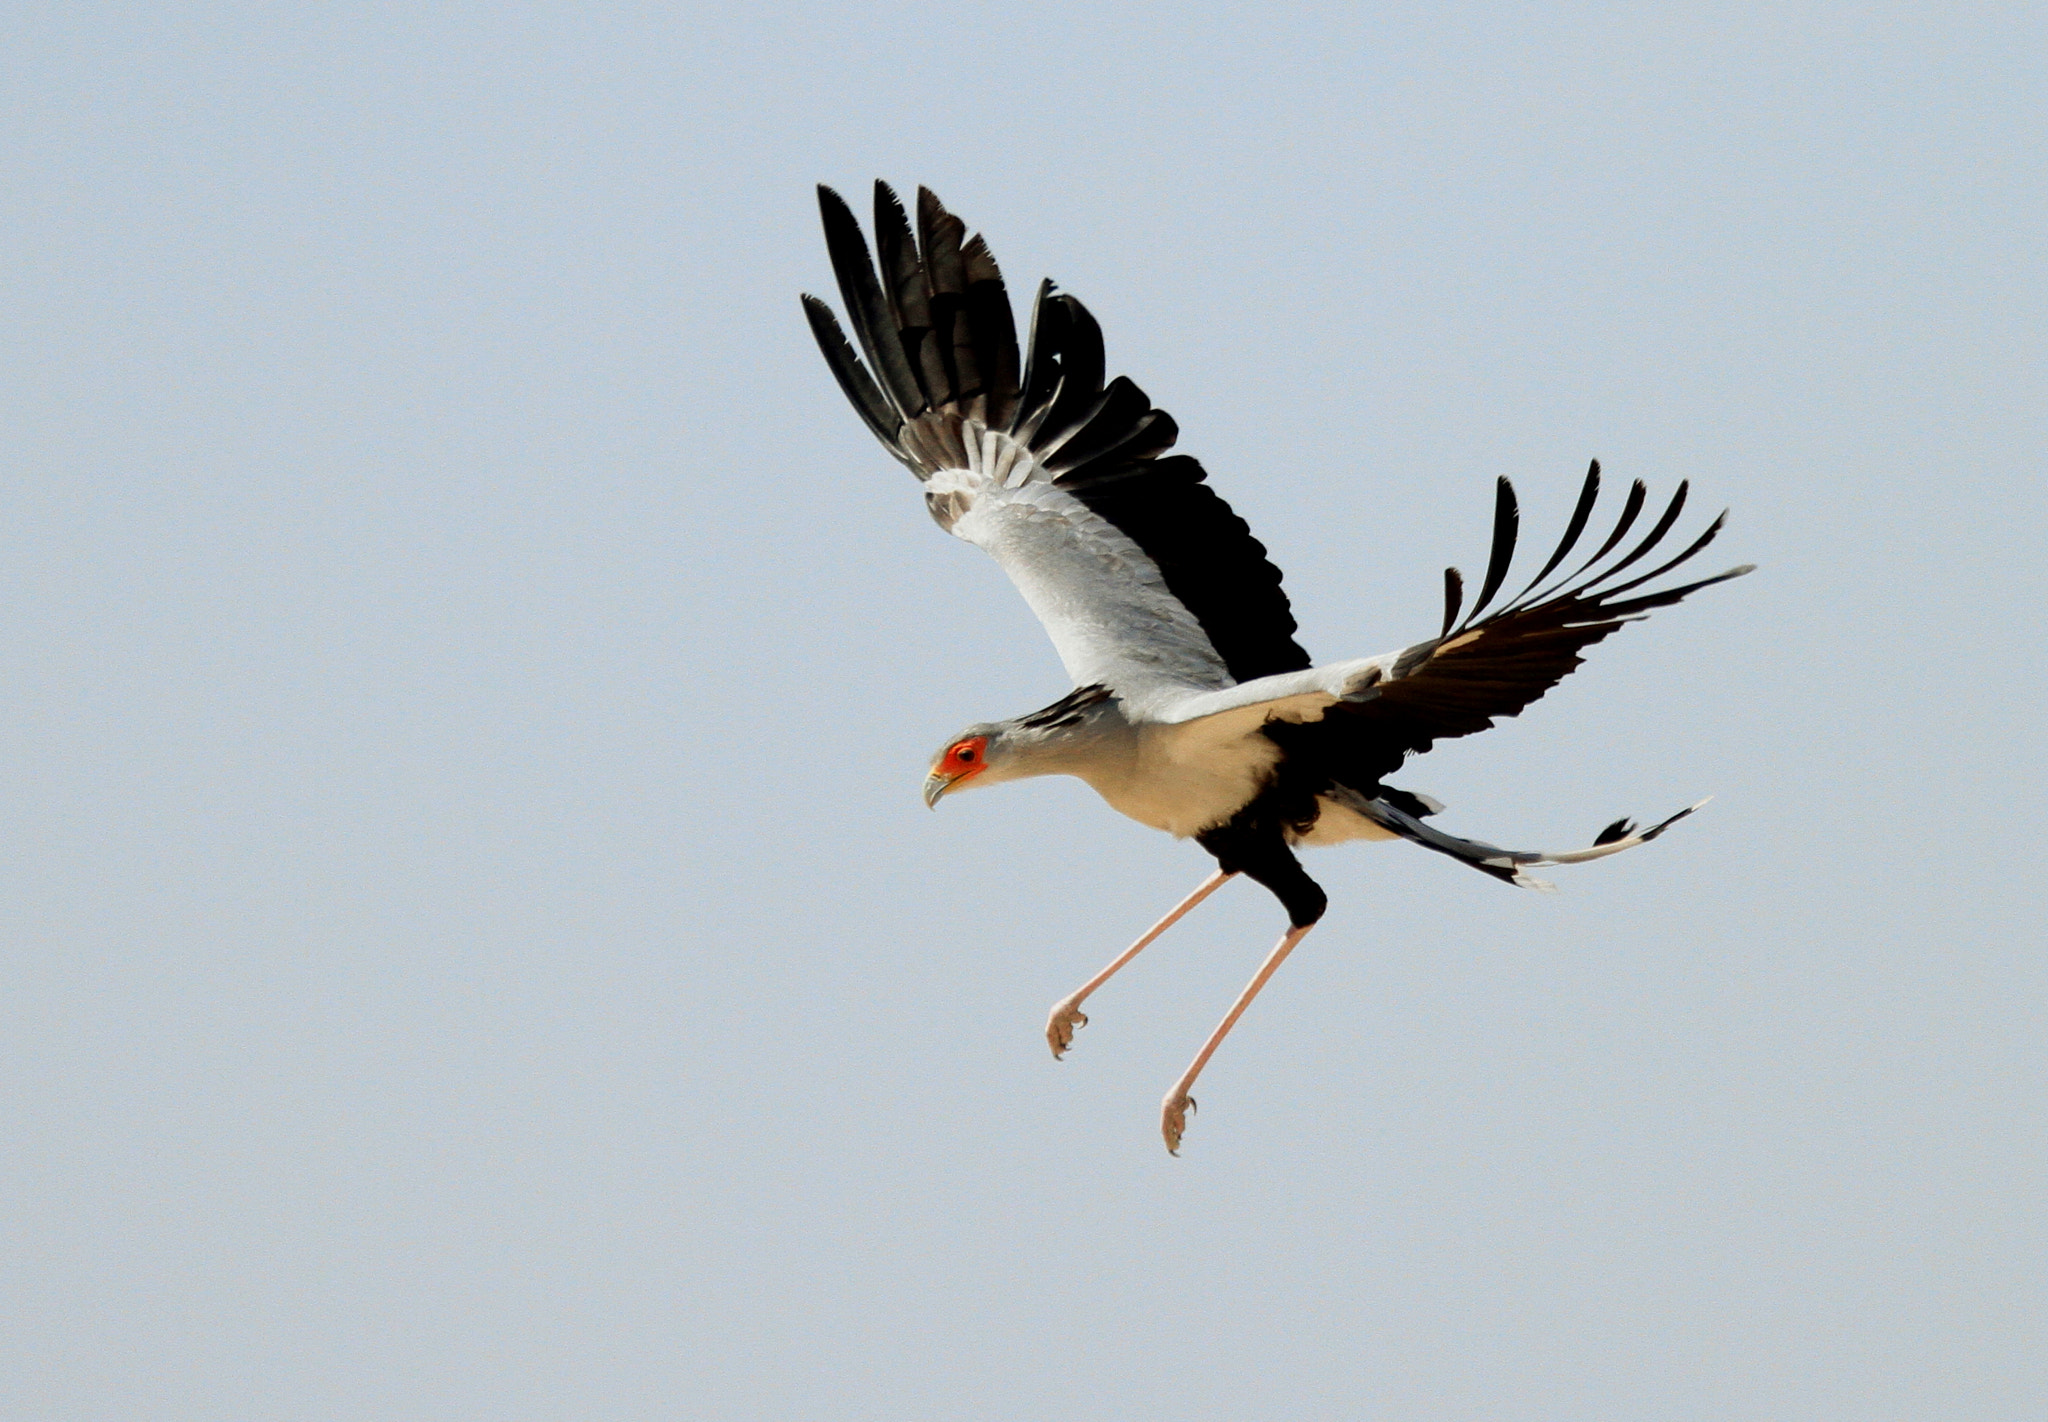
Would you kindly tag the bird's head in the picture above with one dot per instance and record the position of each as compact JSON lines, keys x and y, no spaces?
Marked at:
{"x":977,"y":756}
{"x":1076,"y":735}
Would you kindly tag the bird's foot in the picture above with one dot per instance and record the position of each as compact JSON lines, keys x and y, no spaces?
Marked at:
{"x":1067,"y":1017}
{"x":1173,"y":1118}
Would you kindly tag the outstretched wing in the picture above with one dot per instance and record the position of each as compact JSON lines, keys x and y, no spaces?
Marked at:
{"x":1362,"y":718}
{"x":1480,"y":668}
{"x":1144,"y":578}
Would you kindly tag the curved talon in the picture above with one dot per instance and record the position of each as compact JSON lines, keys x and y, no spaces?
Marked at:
{"x":1060,"y":1027}
{"x":1067,"y":1014}
{"x":1173,"y":1120}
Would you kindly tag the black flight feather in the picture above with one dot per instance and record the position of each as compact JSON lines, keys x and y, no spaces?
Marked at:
{"x":942,"y":364}
{"x":1107,"y":425}
{"x":1589,"y":494}
{"x":1661,"y":569}
{"x":866,"y":308}
{"x":1131,"y":444}
{"x":1507,"y":521}
{"x":1041,"y":380}
{"x":1503,"y":663}
{"x":868,"y":401}
{"x":994,"y":328}
{"x":1208,"y":557}
{"x":1631,"y":509}
{"x":909,"y":302}
{"x":1080,"y":384}
{"x":1649,"y":601}
{"x":1650,"y":540}
{"x":939,"y":237}
{"x":1454,"y":598}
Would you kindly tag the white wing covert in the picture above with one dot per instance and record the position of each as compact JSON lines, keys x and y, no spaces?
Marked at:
{"x":1103,"y":602}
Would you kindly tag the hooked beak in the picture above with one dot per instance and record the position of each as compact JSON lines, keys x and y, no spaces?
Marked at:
{"x":936,"y":785}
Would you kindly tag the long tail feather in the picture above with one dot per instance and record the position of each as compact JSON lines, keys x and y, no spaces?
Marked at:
{"x":1509,"y":865}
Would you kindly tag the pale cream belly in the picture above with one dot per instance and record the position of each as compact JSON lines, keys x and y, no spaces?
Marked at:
{"x":1185,"y":796}
{"x":1185,"y":805}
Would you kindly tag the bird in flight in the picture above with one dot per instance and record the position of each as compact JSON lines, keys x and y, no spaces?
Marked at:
{"x":1194,"y":710}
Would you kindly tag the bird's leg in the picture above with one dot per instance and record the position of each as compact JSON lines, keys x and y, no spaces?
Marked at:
{"x":1173,"y":1115}
{"x":1066,"y":1013}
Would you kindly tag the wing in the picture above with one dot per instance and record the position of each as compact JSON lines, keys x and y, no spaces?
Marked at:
{"x":1478,"y":669}
{"x":1364,"y":717}
{"x":1144,"y":578}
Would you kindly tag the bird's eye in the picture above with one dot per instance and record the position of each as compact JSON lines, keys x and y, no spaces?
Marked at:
{"x":964,"y":754}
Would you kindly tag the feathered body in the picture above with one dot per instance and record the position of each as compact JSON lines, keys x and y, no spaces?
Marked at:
{"x":1195,"y":711}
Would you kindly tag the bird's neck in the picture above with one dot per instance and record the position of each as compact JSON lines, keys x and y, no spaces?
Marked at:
{"x":1094,"y":749}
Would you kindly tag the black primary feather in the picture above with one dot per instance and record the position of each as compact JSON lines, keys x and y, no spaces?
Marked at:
{"x":1651,"y":539}
{"x":1631,"y":509}
{"x":909,"y":300}
{"x":1041,"y":362}
{"x":940,"y":234}
{"x":1589,"y":494}
{"x":1713,"y":530}
{"x":1080,"y":386}
{"x":1496,"y":665}
{"x":994,"y":329}
{"x":1114,"y":419}
{"x":1454,"y":598}
{"x":941,"y":347}
{"x":1668,"y":596}
{"x":1507,"y":522}
{"x":866,"y":308}
{"x":868,"y":400}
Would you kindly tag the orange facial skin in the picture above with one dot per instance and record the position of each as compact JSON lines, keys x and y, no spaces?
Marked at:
{"x":963,"y":759}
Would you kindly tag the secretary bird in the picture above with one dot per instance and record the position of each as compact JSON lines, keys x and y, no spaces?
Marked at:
{"x":1194,"y":710}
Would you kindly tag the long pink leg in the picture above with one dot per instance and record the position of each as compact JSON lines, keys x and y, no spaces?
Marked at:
{"x":1067,"y":1014}
{"x":1173,"y":1115}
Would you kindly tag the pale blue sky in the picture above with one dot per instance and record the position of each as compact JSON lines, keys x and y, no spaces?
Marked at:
{"x":473,"y":946}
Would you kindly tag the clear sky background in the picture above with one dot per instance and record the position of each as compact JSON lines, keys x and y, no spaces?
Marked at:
{"x":473,"y":948}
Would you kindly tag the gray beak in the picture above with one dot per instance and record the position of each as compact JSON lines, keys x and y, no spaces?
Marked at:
{"x":935,"y":785}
